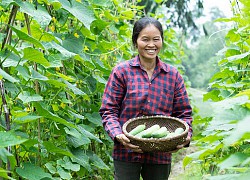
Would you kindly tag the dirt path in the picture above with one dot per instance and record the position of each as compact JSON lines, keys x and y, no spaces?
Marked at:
{"x":177,"y":167}
{"x":205,"y":109}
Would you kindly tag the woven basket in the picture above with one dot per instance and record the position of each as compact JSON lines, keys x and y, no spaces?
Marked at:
{"x":155,"y":144}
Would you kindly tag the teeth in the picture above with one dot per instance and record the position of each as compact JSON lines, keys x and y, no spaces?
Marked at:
{"x":151,"y":51}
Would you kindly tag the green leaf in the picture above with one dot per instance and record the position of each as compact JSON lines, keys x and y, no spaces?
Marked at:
{"x":186,"y":161}
{"x":55,"y":60}
{"x":34,"y":55}
{"x":6,"y":156}
{"x":103,"y":3}
{"x":25,"y":37}
{"x":236,"y":57}
{"x":10,"y":139}
{"x":225,"y":73}
{"x":74,"y":88}
{"x":51,"y":148}
{"x":40,"y":14}
{"x":4,"y":173}
{"x":76,"y":138}
{"x":24,"y":72}
{"x":73,"y":44}
{"x":79,"y":10}
{"x":95,"y":118}
{"x":81,"y":158}
{"x":32,"y":172}
{"x":56,"y":83}
{"x":26,"y":119}
{"x":226,"y":177}
{"x":63,"y":174}
{"x":98,"y":26}
{"x":241,"y":129}
{"x":88,"y":134}
{"x":233,"y":160}
{"x":7,"y":76}
{"x":62,"y":50}
{"x":47,"y":114}
{"x":67,"y":164}
{"x":50,"y":167}
{"x":26,"y":97}
{"x":13,"y":60}
{"x":96,"y":161}
{"x":36,"y":75}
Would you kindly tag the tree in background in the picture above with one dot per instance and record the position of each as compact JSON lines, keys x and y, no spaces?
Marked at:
{"x":201,"y":60}
{"x":179,"y":12}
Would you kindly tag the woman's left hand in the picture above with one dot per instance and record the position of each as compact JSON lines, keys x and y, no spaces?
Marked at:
{"x":181,"y":146}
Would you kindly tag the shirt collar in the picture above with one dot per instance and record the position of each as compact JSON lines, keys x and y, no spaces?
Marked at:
{"x":136,"y":63}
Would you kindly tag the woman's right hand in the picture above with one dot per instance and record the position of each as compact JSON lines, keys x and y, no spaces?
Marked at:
{"x":126,"y":142}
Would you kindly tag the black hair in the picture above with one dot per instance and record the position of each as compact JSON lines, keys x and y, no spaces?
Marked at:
{"x":141,"y":24}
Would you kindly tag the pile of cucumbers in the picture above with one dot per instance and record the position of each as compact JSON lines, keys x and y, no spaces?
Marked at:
{"x":154,"y":131}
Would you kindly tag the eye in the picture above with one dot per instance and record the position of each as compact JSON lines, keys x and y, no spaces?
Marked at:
{"x":156,"y":39}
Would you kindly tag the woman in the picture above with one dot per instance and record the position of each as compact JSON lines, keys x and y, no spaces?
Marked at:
{"x":141,"y":86}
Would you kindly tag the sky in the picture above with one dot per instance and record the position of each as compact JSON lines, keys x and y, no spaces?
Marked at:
{"x":223,"y":5}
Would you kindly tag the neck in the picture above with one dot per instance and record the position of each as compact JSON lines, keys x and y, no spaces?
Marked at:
{"x":148,"y":65}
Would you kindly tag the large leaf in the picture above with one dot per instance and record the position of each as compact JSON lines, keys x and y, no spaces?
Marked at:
{"x":40,"y":14}
{"x":13,"y":60}
{"x":241,"y":129}
{"x":97,"y":161}
{"x":6,"y":157}
{"x":10,"y":139}
{"x":63,"y":173}
{"x":75,"y":138}
{"x":32,"y":172}
{"x":26,"y":119}
{"x":233,"y":160}
{"x":34,"y":55}
{"x":52,"y":148}
{"x":26,"y":97}
{"x":81,"y":158}
{"x":36,"y":75}
{"x":239,"y":56}
{"x":47,"y":114}
{"x":25,"y":37}
{"x":7,"y":76}
{"x":67,"y":164}
{"x":88,"y":134}
{"x":62,"y":50}
{"x":79,"y":10}
{"x":74,"y":88}
{"x":95,"y":118}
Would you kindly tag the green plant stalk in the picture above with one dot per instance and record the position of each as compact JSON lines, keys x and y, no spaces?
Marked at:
{"x":11,"y":22}
{"x":37,"y":92}
{"x":7,"y":118}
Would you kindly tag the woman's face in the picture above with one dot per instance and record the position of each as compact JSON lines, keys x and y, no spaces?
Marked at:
{"x":149,"y":43}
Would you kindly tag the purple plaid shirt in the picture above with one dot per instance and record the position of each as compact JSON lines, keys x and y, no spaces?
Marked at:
{"x":129,"y":93}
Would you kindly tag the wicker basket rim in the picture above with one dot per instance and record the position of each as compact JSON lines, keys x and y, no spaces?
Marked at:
{"x":155,"y":139}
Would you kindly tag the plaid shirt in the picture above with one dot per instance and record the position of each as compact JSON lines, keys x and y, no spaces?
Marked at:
{"x":129,"y":93}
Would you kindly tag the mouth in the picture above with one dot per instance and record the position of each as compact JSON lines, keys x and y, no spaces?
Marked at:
{"x":151,"y":51}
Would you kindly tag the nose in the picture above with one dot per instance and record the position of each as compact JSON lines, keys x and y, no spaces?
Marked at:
{"x":151,"y":43}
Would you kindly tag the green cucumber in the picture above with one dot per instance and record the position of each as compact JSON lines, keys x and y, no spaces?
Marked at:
{"x":163,"y":131}
{"x":137,"y":129}
{"x":179,"y":131}
{"x":139,"y":135}
{"x":147,"y":133}
{"x":170,"y":135}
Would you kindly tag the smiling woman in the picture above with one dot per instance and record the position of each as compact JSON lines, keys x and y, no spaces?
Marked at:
{"x":143,"y":86}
